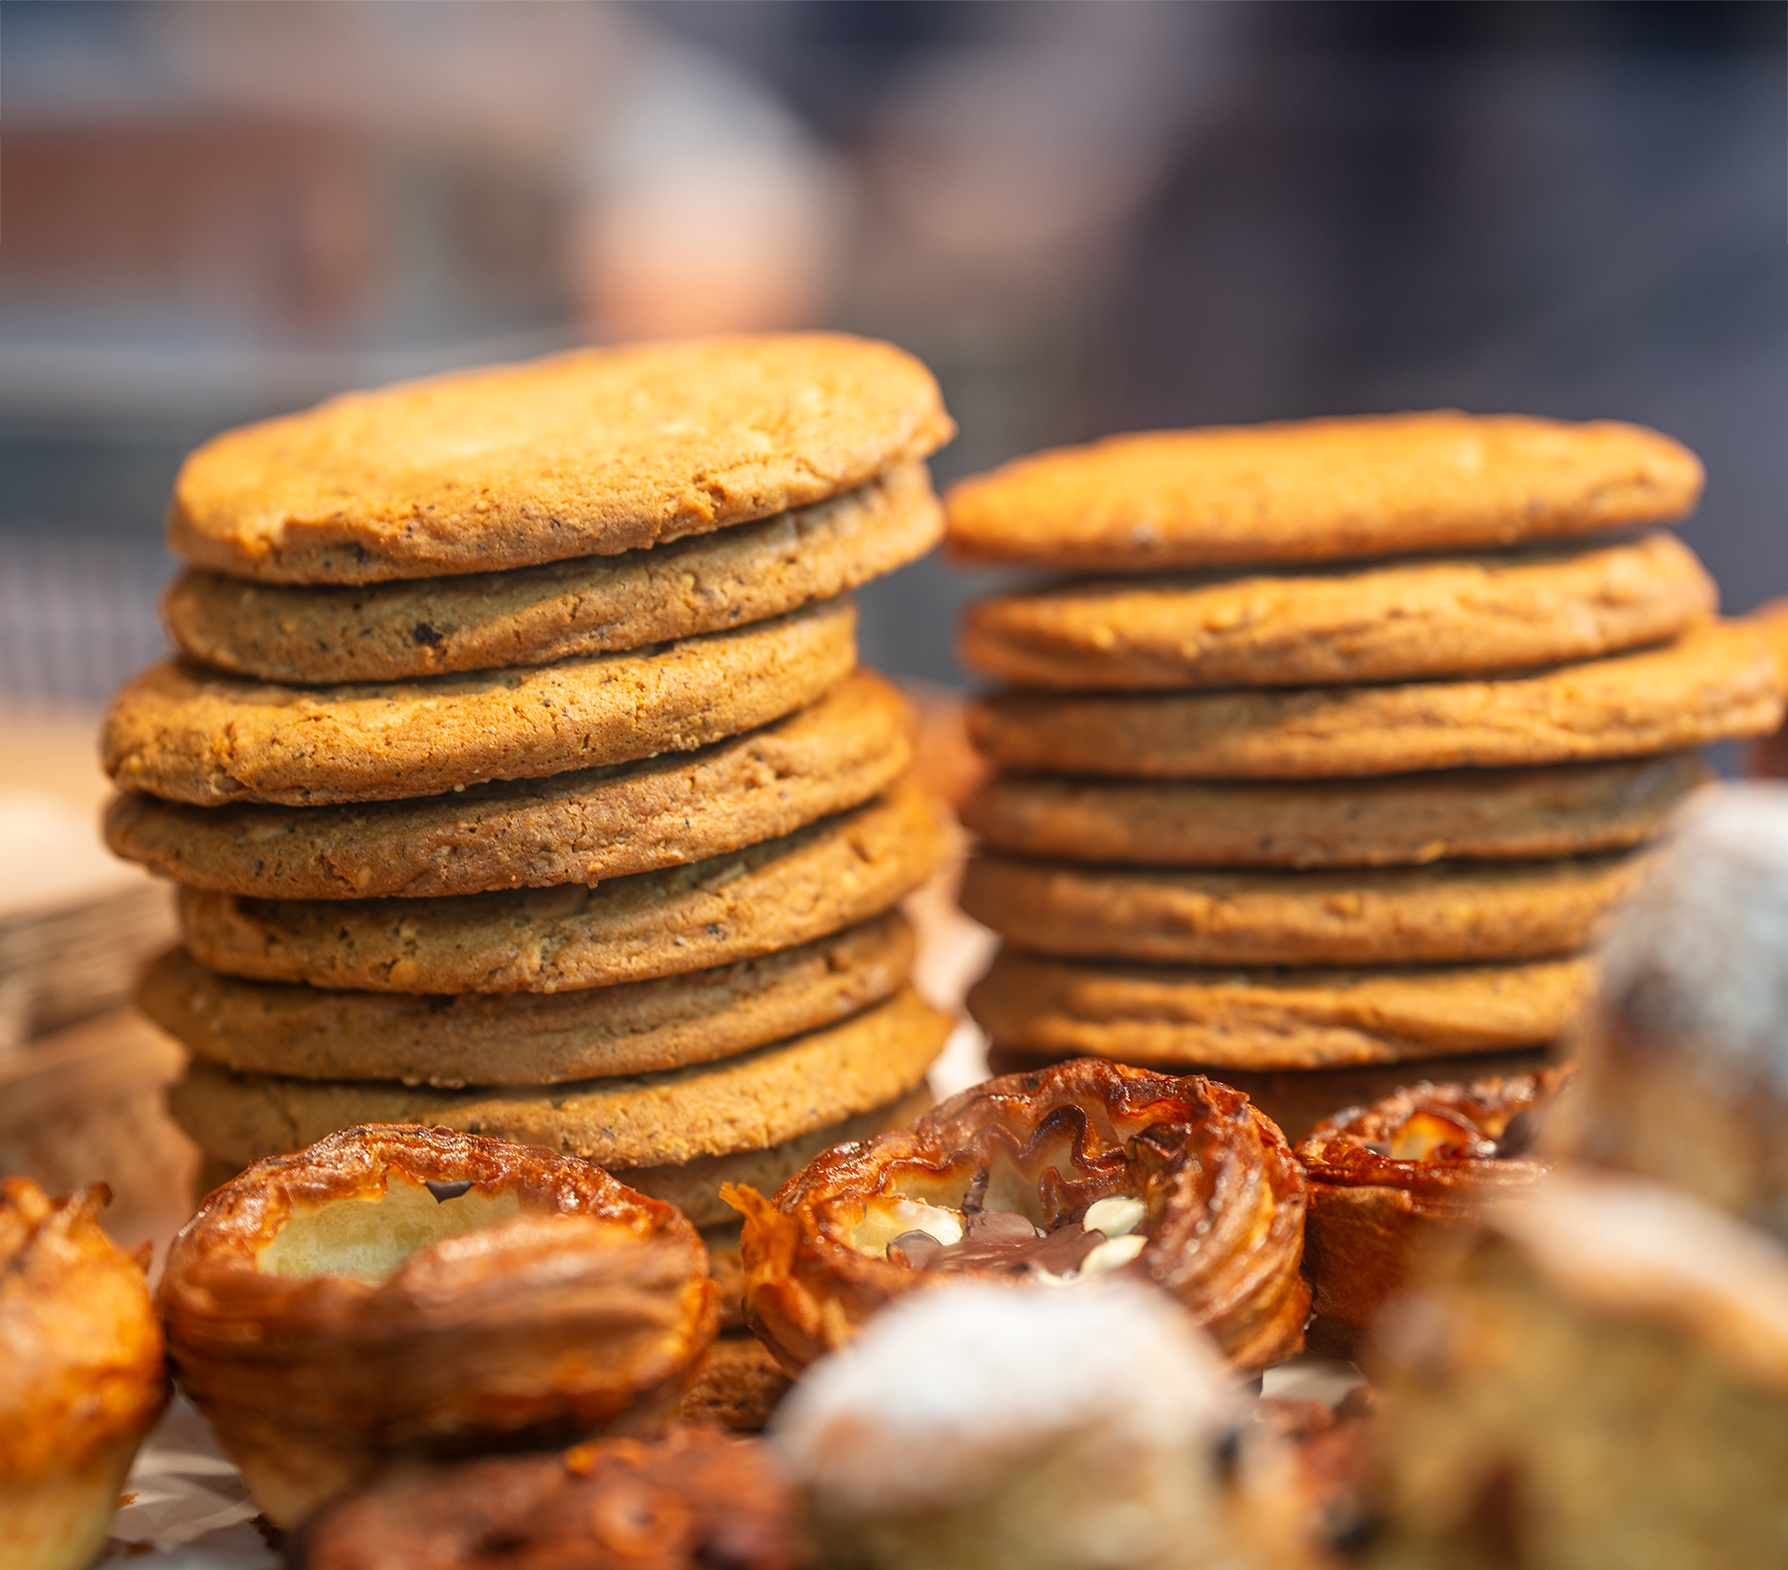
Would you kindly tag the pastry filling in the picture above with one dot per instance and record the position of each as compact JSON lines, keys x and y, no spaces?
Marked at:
{"x":1432,"y":1135}
{"x":370,"y":1236}
{"x":989,"y":1239}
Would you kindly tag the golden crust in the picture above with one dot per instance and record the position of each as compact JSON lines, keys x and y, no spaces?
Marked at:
{"x":1405,"y":621}
{"x":81,"y":1374}
{"x":1371,"y":1215}
{"x":588,"y":453}
{"x":188,"y":735}
{"x":525,"y":1038}
{"x":774,"y":895}
{"x":750,"y":1101}
{"x":1408,"y":820}
{"x":533,"y":615}
{"x":480,"y":1338}
{"x":579,"y":827}
{"x":1225,"y":1203}
{"x":1298,"y":1099}
{"x":1175,"y":1018}
{"x":1716,"y":683}
{"x":1316,"y":490}
{"x":694,"y":1499}
{"x":1444,"y":913}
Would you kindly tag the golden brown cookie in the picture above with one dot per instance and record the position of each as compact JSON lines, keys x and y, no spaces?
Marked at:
{"x":1715,"y":683}
{"x":1402,"y":622}
{"x":532,"y":615}
{"x":1316,"y":490}
{"x":189,"y":735}
{"x":1448,"y":912}
{"x":694,"y":1186}
{"x":579,"y":827}
{"x":1273,"y":1019}
{"x":525,"y":1038}
{"x":1470,"y":814}
{"x":769,"y":896}
{"x":737,"y":1386}
{"x":589,"y":453}
{"x":747,"y":1102}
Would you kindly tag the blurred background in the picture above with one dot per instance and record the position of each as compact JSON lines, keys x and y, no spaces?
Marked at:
{"x":1086,"y":216}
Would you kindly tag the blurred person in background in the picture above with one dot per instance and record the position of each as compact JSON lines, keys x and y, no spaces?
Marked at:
{"x":1087,"y":216}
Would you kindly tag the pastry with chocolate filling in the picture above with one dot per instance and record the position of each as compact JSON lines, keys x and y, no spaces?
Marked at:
{"x":1070,"y":1172}
{"x":985,"y":1427}
{"x":1684,"y":1073}
{"x":82,"y":1377}
{"x":1389,"y":1180}
{"x":1600,"y":1380}
{"x":398,"y":1290}
{"x":692,"y":1500}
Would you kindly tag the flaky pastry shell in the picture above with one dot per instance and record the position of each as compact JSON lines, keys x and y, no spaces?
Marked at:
{"x":82,"y":1375}
{"x":564,"y":1304}
{"x":1223,"y":1197}
{"x":1371,"y":1214}
{"x":694,"y":1499}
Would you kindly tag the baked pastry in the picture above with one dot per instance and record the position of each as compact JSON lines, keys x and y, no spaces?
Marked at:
{"x":1079,"y":1169}
{"x":1393,"y":1179}
{"x":1601,"y":1379}
{"x":1297,"y":1099}
{"x":1685,"y":1058}
{"x":398,"y":1289}
{"x":82,"y":1376}
{"x":692,"y":1500}
{"x":990,"y":1428}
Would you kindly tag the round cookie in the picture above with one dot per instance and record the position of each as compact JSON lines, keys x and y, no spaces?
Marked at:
{"x":694,"y":1186}
{"x":531,"y":615}
{"x":769,"y":896}
{"x":1448,"y":912}
{"x":1570,"y":809}
{"x":190,"y":735}
{"x":747,"y":1102}
{"x":1717,"y":682}
{"x":579,"y":827}
{"x":589,"y":453}
{"x":1161,"y":1016}
{"x":1317,"y":490}
{"x":525,"y":1038}
{"x":1405,"y":621}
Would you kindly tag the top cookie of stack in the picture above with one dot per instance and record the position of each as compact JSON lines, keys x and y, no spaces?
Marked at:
{"x":518,"y":742}
{"x":1349,"y":777}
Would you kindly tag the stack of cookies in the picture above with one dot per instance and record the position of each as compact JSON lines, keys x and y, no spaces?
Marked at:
{"x":1325,"y":782}
{"x":518,"y":774}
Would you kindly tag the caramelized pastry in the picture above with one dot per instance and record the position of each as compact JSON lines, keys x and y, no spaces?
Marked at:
{"x":1601,"y":1380}
{"x":987,"y":1427}
{"x":690,"y":1501}
{"x":1684,"y":1074}
{"x":82,"y":1377}
{"x":394,"y":1289}
{"x":1072,"y":1171}
{"x":1388,"y":1180}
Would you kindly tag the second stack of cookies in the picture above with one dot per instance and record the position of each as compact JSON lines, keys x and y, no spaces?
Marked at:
{"x":1324,"y":783}
{"x":518,"y":774}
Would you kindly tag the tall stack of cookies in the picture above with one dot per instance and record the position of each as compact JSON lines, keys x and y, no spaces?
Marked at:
{"x":1323,"y":782}
{"x":518,"y":773}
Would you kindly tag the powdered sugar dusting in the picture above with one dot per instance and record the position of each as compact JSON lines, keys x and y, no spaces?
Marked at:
{"x":1699,"y":957}
{"x":947,"y":1389}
